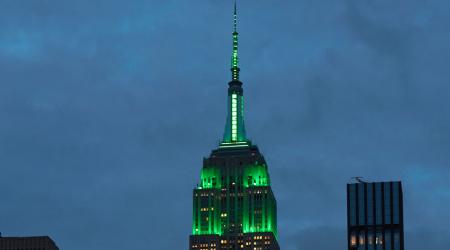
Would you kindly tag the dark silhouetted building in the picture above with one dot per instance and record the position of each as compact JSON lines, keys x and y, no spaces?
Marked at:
{"x":27,"y":243}
{"x":375,"y":216}
{"x":233,"y":205}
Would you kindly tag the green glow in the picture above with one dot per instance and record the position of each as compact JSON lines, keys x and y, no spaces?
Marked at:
{"x":262,"y":216}
{"x":256,"y":176}
{"x":259,"y":214}
{"x":234,"y":58}
{"x":210,"y":178}
{"x":258,"y":208}
{"x":234,"y":122}
{"x":206,"y":216}
{"x":238,"y":144}
{"x":234,"y":128}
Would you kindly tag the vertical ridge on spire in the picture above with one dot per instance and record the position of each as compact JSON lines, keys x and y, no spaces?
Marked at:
{"x":234,"y":58}
{"x":235,"y":17}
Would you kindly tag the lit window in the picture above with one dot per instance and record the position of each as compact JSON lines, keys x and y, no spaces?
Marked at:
{"x":361,"y":238}
{"x":353,"y":239}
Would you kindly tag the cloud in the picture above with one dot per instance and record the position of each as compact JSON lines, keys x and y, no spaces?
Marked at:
{"x":108,"y":108}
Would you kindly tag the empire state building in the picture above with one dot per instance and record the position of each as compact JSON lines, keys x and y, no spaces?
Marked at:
{"x":233,"y":204}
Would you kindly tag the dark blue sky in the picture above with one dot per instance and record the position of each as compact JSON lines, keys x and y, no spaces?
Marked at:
{"x":107,"y":108}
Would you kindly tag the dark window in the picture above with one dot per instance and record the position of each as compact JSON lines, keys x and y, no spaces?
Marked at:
{"x":378,"y":204}
{"x":370,"y":204}
{"x":361,"y":196}
{"x":397,"y":240}
{"x":352,"y":192}
{"x":371,"y":240}
{"x":387,"y":203}
{"x":387,"y":237}
{"x":396,"y":202}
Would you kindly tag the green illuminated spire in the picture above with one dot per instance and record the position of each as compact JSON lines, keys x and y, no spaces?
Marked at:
{"x":234,"y":58}
{"x":234,"y":129}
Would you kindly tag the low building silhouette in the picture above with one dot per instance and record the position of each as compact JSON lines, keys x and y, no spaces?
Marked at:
{"x":27,"y":243}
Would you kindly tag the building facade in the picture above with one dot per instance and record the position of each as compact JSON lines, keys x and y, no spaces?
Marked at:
{"x":27,"y":243}
{"x":375,"y":216}
{"x":233,"y":204}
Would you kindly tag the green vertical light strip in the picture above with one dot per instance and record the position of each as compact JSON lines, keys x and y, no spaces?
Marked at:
{"x":241,"y":129}
{"x":234,"y":118}
{"x":235,"y":59}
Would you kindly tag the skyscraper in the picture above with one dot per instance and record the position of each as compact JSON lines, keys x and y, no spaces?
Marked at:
{"x":233,"y":205}
{"x":375,"y":216}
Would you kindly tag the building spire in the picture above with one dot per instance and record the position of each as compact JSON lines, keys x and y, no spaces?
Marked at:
{"x":234,"y":58}
{"x":235,"y":17}
{"x":234,"y":128}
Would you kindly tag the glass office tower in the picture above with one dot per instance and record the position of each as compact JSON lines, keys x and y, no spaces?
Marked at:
{"x":375,"y":216}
